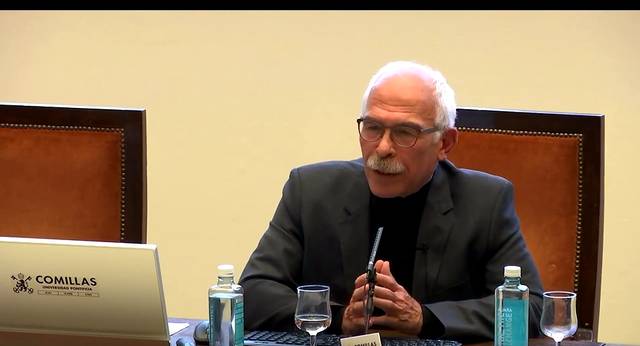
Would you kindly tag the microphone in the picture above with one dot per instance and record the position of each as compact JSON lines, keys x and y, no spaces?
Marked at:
{"x":371,"y":280}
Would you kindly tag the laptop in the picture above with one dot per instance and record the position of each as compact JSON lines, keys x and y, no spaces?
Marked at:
{"x":81,"y":288}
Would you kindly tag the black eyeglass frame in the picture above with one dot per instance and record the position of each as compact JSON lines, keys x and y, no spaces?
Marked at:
{"x":421,"y":131}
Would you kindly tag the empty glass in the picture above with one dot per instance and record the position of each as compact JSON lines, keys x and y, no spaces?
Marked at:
{"x":559,"y":319}
{"x":313,"y":313}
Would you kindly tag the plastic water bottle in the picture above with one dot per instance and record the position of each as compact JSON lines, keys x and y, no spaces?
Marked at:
{"x":226,"y":310}
{"x":511,"y":310}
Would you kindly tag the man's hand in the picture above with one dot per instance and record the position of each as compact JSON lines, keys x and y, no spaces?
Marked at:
{"x":353,"y":318}
{"x":402,"y":312}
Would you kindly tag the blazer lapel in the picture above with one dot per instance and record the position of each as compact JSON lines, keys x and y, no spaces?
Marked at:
{"x":434,"y":232}
{"x":353,"y":228}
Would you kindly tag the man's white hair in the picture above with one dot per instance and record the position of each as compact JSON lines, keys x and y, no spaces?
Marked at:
{"x":444,"y":95}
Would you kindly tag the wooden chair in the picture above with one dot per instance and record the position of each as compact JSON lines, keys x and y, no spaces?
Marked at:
{"x":72,"y":173}
{"x":555,"y":162}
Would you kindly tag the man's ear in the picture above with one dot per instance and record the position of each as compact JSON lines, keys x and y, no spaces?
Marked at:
{"x":449,"y":140}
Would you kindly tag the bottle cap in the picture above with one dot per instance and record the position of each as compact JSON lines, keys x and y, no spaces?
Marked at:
{"x":225,"y":270}
{"x":512,"y":271}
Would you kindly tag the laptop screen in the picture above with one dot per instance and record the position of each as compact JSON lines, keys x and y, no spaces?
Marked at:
{"x":81,"y":288}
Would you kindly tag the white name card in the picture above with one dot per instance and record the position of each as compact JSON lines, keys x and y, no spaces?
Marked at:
{"x":372,"y":339}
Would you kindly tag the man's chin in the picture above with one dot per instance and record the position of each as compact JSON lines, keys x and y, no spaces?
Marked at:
{"x":382,"y":185}
{"x":385,"y":193}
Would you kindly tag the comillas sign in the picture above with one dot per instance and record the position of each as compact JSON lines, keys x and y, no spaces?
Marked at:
{"x":66,"y":280}
{"x":55,"y":285}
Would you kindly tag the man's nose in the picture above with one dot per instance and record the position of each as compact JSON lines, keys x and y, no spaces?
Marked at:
{"x":385,"y":145}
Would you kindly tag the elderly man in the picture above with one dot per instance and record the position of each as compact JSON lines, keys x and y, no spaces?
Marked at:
{"x":448,"y":232}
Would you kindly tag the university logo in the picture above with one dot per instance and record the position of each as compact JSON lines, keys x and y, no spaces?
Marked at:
{"x":22,"y":284}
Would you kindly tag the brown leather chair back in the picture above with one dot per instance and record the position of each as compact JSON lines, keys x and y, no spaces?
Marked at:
{"x":72,"y":173}
{"x":555,"y":162}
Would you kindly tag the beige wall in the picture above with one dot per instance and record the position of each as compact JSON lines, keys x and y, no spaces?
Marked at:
{"x":236,"y":99}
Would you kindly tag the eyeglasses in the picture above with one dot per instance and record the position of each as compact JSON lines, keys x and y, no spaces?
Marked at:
{"x":403,"y":135}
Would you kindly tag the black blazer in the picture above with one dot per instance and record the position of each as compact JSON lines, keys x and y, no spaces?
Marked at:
{"x":320,"y":235}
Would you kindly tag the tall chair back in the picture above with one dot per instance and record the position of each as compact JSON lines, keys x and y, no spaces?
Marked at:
{"x":74,"y":173}
{"x":555,"y":162}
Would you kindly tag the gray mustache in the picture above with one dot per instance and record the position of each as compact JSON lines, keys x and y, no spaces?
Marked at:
{"x":387,"y":166}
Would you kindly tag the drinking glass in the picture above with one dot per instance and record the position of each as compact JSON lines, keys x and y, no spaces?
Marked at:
{"x":313,"y":313}
{"x":558,"y":319}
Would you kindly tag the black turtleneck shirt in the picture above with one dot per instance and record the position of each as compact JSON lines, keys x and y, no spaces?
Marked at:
{"x":400,"y":217}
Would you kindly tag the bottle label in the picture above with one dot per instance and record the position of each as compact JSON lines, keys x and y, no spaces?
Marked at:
{"x":239,"y":318}
{"x":226,"y":320}
{"x":514,"y":322}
